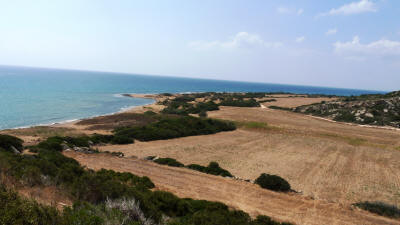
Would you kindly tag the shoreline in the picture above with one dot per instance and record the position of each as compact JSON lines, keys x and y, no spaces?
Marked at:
{"x":73,"y":121}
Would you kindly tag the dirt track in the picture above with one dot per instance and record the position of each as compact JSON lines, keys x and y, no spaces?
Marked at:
{"x":238,"y":194}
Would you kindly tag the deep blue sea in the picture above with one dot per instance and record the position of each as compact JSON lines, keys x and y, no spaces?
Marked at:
{"x":33,"y":96}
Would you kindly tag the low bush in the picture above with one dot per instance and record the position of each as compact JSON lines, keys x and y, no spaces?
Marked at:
{"x":273,"y":182}
{"x":185,"y":108}
{"x":168,"y":162}
{"x":7,"y":142}
{"x":213,"y":168}
{"x":16,"y":210}
{"x":57,"y":142}
{"x":203,"y":114}
{"x":279,"y":108}
{"x":267,"y":100}
{"x":168,"y":128}
{"x":240,"y":103}
{"x":380,"y":208}
{"x":345,"y":116}
{"x":101,"y":138}
{"x":121,"y":140}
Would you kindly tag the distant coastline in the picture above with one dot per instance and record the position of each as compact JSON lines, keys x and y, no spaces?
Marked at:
{"x":70,"y":95}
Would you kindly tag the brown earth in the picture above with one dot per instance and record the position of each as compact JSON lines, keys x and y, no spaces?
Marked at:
{"x":294,"y":101}
{"x":329,"y":161}
{"x":238,"y":194}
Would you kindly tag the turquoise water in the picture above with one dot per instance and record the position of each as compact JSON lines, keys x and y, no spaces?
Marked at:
{"x":32,"y":96}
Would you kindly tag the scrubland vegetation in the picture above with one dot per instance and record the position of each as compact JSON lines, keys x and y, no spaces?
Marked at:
{"x":212,"y":168}
{"x":174,"y":127}
{"x":381,"y":110}
{"x":186,"y":104}
{"x":380,"y":208}
{"x":102,"y":197}
{"x":273,"y":182}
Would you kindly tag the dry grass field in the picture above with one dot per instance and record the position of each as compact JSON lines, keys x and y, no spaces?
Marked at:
{"x":238,"y":194}
{"x":325,"y":160}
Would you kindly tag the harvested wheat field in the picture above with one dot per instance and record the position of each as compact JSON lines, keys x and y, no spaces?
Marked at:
{"x":324,"y":160}
{"x":238,"y":194}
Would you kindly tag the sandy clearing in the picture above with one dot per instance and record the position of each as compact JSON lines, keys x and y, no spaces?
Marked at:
{"x":238,"y":194}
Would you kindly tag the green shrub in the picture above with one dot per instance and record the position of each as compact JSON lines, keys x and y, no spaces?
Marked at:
{"x":213,"y":168}
{"x":273,"y":182}
{"x":279,"y":108}
{"x":7,"y":142}
{"x":267,"y":100}
{"x":168,"y":162}
{"x":150,"y":113}
{"x":168,"y":128}
{"x":52,"y":143}
{"x":380,"y":208}
{"x":240,"y":103}
{"x":15,"y":210}
{"x":203,"y":114}
{"x":345,"y":116}
{"x":121,"y":140}
{"x":101,"y":139}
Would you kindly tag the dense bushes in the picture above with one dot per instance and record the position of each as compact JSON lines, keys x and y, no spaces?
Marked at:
{"x":168,"y":162}
{"x":185,"y":108}
{"x":57,"y":143}
{"x":380,"y":208}
{"x":273,"y":182}
{"x":279,"y":108}
{"x":345,"y":116}
{"x":239,"y":102}
{"x":267,"y":100}
{"x":7,"y":142}
{"x":104,"y":197}
{"x":15,"y":210}
{"x":168,"y":128}
{"x":212,"y":168}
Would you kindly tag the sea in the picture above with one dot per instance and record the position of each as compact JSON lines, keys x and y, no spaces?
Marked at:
{"x":37,"y":96}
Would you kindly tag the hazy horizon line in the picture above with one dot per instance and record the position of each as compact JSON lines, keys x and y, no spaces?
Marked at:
{"x":186,"y":77}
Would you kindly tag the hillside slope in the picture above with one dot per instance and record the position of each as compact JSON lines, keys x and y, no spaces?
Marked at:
{"x":380,"y":110}
{"x":238,"y":194}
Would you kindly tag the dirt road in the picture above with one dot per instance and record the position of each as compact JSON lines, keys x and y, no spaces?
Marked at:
{"x":238,"y":194}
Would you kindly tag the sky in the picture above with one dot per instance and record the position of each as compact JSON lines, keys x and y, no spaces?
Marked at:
{"x":333,"y":43}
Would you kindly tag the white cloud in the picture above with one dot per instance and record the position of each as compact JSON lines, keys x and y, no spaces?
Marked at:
{"x":300,"y":39}
{"x":285,"y":10}
{"x":300,"y":11}
{"x":362,"y":6}
{"x":240,"y":40}
{"x":355,"y":50}
{"x":331,"y":32}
